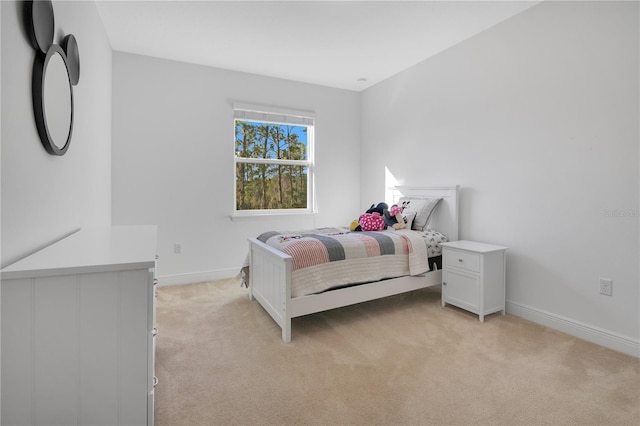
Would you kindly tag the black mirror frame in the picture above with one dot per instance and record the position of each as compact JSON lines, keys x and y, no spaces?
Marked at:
{"x":39,"y":76}
{"x":40,"y":28}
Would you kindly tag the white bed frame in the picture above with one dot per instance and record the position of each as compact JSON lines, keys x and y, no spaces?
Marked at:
{"x":270,"y":269}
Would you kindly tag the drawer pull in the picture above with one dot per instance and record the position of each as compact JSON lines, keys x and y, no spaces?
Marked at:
{"x":460,"y":260}
{"x":154,"y":332}
{"x":155,"y":381}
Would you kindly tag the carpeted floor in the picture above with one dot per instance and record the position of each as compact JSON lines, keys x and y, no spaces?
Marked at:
{"x":402,"y":360}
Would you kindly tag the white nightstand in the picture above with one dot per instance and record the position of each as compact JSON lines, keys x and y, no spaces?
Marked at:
{"x":473,"y":276}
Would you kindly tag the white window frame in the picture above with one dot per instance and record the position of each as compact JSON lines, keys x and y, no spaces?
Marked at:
{"x":277,"y":115}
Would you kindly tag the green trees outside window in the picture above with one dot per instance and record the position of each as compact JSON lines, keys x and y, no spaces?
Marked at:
{"x":272,"y":165}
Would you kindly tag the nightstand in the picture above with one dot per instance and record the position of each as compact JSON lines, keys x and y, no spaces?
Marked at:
{"x":473,"y":276}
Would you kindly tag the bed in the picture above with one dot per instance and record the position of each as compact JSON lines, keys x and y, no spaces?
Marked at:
{"x":275,"y":283}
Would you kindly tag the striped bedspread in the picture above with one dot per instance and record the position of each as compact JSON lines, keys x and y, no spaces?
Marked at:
{"x":325,"y":245}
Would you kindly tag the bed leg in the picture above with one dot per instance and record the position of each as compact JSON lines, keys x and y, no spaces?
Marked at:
{"x":286,"y":331}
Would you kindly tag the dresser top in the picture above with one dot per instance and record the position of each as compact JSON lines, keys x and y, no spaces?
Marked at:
{"x":91,"y":249}
{"x":473,"y":246}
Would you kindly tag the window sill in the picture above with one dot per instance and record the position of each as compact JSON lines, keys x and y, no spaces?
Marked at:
{"x":268,"y":215}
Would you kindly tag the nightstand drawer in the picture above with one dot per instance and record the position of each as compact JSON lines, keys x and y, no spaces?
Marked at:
{"x":461,"y":259}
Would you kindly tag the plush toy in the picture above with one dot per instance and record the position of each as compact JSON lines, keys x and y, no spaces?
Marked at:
{"x":393,"y":217}
{"x":372,"y":222}
{"x":380,"y":208}
{"x":372,"y":219}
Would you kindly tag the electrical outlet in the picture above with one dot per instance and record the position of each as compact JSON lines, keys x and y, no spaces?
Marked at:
{"x":177,"y":248}
{"x":606,"y":286}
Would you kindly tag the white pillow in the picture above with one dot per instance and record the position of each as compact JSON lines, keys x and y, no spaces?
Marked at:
{"x":421,"y":207}
{"x":408,"y":219}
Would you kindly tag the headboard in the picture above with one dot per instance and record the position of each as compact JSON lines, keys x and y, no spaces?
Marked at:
{"x":445,"y":216}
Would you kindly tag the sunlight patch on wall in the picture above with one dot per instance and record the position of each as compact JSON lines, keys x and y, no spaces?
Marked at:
{"x":390,"y":182}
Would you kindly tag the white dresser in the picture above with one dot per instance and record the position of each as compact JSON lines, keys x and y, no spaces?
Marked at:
{"x":78,"y":327}
{"x":473,"y":276}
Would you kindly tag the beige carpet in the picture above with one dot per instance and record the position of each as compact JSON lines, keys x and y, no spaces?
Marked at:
{"x":399,"y":360}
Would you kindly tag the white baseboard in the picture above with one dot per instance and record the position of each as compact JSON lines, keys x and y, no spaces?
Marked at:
{"x":608,"y":339}
{"x":197,"y":277}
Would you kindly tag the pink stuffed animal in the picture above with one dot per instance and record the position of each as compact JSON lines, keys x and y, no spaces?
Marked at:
{"x":371,"y":222}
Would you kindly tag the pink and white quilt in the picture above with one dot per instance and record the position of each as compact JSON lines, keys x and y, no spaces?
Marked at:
{"x":326,"y":258}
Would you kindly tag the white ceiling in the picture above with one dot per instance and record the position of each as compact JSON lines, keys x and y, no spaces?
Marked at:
{"x":331,"y":43}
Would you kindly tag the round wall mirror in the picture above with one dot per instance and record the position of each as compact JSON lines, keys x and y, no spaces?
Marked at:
{"x":53,"y":100}
{"x":57,"y":101}
{"x":55,"y":69}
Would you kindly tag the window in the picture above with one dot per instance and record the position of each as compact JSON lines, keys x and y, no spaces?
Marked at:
{"x":273,"y":161}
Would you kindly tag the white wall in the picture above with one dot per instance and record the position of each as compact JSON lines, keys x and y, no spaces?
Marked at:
{"x":44,"y":197}
{"x":173,"y":153}
{"x":537,"y":119}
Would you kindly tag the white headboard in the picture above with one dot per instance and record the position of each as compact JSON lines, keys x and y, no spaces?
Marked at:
{"x":445,"y":216}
